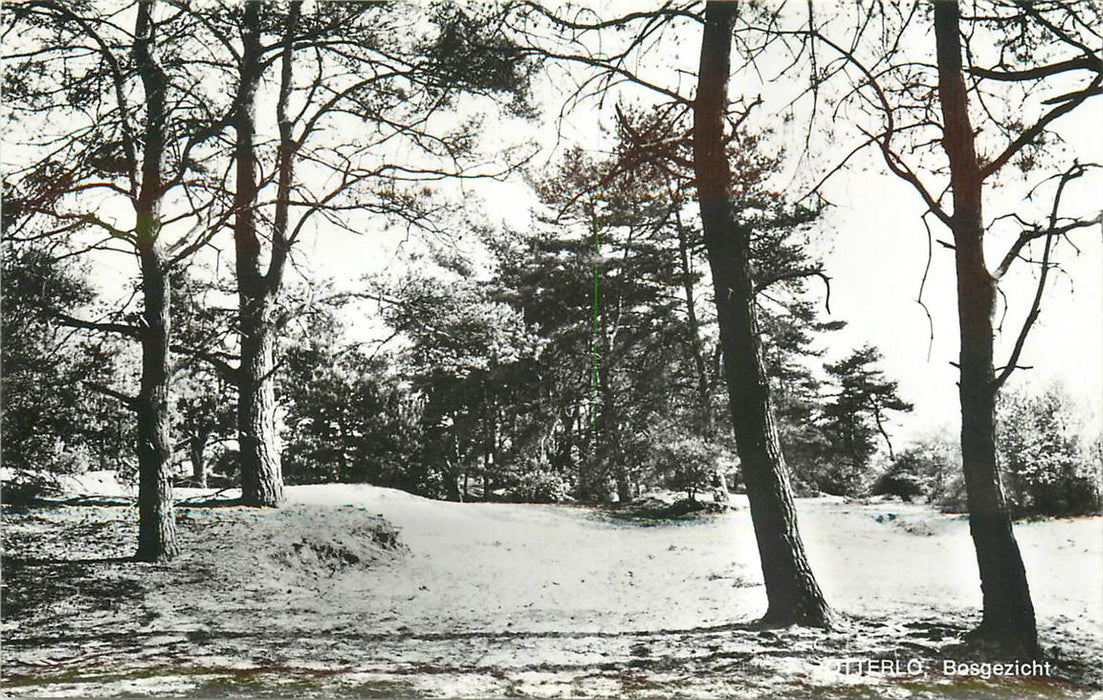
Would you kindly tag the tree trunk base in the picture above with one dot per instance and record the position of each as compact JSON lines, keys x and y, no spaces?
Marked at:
{"x":822,"y":618}
{"x":157,"y":555}
{"x":996,"y":643}
{"x":260,"y":503}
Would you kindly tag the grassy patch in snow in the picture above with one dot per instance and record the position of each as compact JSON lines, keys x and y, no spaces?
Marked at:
{"x":653,"y":511}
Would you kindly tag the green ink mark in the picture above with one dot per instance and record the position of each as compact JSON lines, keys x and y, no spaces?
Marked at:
{"x":595,"y":324}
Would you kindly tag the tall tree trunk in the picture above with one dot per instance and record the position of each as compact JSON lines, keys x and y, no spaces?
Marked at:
{"x":261,"y":473}
{"x":197,"y":449}
{"x":156,"y":524}
{"x":261,"y":476}
{"x":704,"y":387}
{"x":1008,"y":621}
{"x":704,"y":393}
{"x":609,"y":458}
{"x":793,"y":594}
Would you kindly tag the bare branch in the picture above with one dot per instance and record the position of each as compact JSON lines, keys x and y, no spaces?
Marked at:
{"x":1050,"y":235}
{"x":1080,"y":63}
{"x":120,"y":328}
{"x":1053,"y":229}
{"x":1069,"y":103}
{"x":130,"y":402}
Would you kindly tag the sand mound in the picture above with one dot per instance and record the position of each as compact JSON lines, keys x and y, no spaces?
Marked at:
{"x":292,"y":542}
{"x":359,"y":546}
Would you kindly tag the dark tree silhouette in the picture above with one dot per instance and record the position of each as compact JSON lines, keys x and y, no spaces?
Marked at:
{"x":855,"y":419}
{"x":794,"y":596}
{"x":51,"y":418}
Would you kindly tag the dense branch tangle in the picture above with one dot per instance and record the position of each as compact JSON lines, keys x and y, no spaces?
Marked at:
{"x":605,"y":63}
{"x":132,"y":94}
{"x":125,"y":117}
{"x":378,"y":77}
{"x":986,"y":95}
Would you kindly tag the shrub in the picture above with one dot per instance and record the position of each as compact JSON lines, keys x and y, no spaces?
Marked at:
{"x":688,"y":464}
{"x":901,"y":482}
{"x":540,"y":485}
{"x":1046,"y":470}
{"x":924,"y":470}
{"x":22,"y":487}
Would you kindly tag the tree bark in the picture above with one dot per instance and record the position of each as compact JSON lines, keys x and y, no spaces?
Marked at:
{"x":1008,"y":620}
{"x":156,"y":524}
{"x":261,"y":474}
{"x":791,"y":589}
{"x":197,"y":448}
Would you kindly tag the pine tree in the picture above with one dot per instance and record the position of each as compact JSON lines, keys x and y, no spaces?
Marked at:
{"x":855,"y":420}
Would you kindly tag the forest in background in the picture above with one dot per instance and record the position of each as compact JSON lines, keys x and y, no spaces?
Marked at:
{"x":489,"y":393}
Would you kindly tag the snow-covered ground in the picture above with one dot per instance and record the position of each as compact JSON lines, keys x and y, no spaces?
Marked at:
{"x":544,"y":562}
{"x":494,"y":599}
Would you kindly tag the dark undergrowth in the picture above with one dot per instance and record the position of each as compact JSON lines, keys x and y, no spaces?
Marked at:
{"x":656,"y":511}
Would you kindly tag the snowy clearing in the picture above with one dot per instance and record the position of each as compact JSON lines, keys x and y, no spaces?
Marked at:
{"x":500,"y":599}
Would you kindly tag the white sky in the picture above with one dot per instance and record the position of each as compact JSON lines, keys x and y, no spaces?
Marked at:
{"x":877,"y":264}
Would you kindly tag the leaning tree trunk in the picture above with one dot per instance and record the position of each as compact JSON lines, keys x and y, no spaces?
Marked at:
{"x":156,"y":525}
{"x":793,"y":594}
{"x":261,"y":477}
{"x":1008,"y":621}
